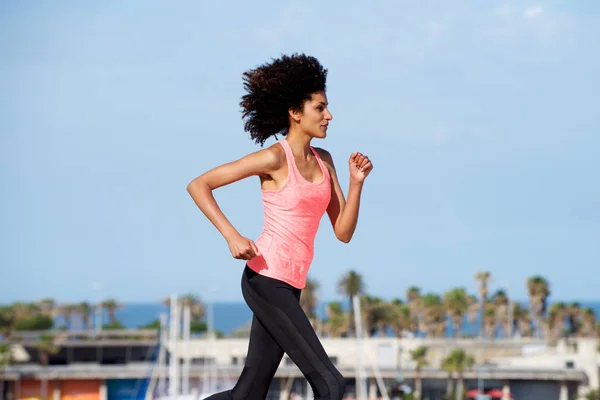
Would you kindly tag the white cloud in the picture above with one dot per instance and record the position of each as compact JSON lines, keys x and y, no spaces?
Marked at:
{"x":440,"y":136}
{"x":434,"y":29}
{"x":533,"y":12}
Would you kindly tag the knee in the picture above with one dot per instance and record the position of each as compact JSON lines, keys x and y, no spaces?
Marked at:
{"x":328,"y":386}
{"x":341,"y":386}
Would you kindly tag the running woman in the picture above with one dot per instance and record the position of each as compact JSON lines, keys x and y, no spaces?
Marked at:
{"x":299,"y":184}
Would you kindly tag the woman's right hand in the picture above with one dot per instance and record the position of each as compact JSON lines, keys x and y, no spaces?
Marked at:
{"x":242,"y":248}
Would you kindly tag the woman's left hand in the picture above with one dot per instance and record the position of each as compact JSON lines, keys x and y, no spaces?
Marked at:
{"x":360,"y":166}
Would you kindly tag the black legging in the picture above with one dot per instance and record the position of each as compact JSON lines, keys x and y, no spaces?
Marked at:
{"x":280,"y":325}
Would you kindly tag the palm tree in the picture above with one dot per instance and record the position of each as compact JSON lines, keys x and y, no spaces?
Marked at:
{"x":24,"y":310}
{"x":351,"y":285}
{"x":539,"y":290}
{"x":557,"y":314}
{"x":84,"y":309}
{"x":419,"y":357}
{"x":111,"y":306}
{"x":47,"y":307}
{"x":309,"y":300}
{"x":459,"y":361}
{"x":490,"y":320}
{"x":67,"y":311}
{"x":434,"y":316}
{"x":574,"y":315}
{"x":456,"y":303}
{"x":588,"y":320}
{"x":482,"y":277}
{"x":7,"y":321}
{"x":591,"y":395}
{"x":378,"y":315}
{"x":401,"y":320}
{"x":371,"y":314}
{"x":474,"y":305}
{"x":46,"y":347}
{"x":448,"y":366}
{"x":413,"y":297}
{"x":500,"y":301}
{"x":337,"y":322}
{"x":197,"y":309}
{"x":6,"y":359}
{"x":522,"y":318}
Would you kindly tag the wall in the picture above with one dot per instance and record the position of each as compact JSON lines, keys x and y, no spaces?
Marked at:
{"x":126,"y":389}
{"x":80,"y":389}
{"x":30,"y":389}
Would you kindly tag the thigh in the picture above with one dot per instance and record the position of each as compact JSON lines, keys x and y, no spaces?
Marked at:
{"x":262,"y":359}
{"x":277,"y":306}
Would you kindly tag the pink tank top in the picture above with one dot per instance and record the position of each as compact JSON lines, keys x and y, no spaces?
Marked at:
{"x":291,"y":219}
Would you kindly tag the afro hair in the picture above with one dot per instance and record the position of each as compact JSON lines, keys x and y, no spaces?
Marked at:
{"x":274,"y":88}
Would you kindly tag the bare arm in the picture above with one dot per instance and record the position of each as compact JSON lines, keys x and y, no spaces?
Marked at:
{"x":262,"y":162}
{"x":343,"y":213}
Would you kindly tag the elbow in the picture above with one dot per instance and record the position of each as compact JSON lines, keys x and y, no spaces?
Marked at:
{"x":191,"y":187}
{"x":344,"y":238}
{"x":197,"y":186}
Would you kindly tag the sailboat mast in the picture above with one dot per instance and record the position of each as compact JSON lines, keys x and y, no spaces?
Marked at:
{"x":174,"y":354}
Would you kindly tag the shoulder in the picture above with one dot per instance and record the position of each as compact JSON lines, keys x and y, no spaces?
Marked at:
{"x":273,"y":157}
{"x":325,"y":156}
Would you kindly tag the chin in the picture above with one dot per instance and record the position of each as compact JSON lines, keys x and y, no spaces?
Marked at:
{"x":320,"y":135}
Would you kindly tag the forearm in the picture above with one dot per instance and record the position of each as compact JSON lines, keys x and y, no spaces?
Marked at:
{"x":202,"y":195}
{"x":346,"y":224}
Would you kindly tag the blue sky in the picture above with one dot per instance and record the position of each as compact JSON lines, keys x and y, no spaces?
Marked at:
{"x":481,"y":119}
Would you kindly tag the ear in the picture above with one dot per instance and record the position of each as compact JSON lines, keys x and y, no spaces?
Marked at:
{"x":295,"y":114}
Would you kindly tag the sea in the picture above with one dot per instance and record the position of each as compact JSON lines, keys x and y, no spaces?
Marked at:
{"x":229,"y":316}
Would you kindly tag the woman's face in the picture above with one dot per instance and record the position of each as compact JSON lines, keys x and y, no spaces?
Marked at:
{"x":315,"y":116}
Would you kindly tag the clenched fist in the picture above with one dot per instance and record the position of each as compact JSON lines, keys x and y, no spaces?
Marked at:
{"x":360,"y":166}
{"x":242,"y":248}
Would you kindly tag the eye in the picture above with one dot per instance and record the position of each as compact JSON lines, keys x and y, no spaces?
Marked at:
{"x":320,"y":108}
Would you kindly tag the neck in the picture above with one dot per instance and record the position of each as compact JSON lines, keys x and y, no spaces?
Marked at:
{"x":299,"y":141}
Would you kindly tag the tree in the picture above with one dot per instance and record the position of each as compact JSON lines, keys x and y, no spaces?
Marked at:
{"x":34,"y":323}
{"x":377,"y":314}
{"x":309,"y":299}
{"x":111,"y":306}
{"x":67,"y":311}
{"x":522,"y":318}
{"x":197,"y":308}
{"x":46,"y":347}
{"x":401,"y":320}
{"x":6,"y":359}
{"x":419,"y":357}
{"x":591,"y":395}
{"x":84,"y":309}
{"x":415,"y":306}
{"x":482,"y":277}
{"x":538,"y":290}
{"x":7,"y":321}
{"x":490,"y":320}
{"x":588,"y":320}
{"x":449,"y":367}
{"x":474,"y":306}
{"x":351,"y":285}
{"x":456,"y":303}
{"x":458,"y":361}
{"x":434,"y":316}
{"x":47,"y":307}
{"x":556,"y":320}
{"x":338,"y":322}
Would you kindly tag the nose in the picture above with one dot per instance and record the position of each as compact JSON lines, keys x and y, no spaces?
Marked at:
{"x":328,"y":115}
